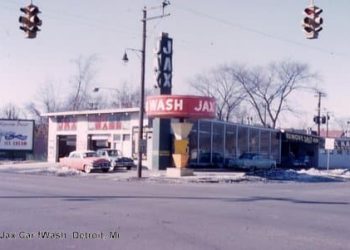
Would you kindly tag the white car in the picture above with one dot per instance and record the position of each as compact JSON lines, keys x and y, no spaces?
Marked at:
{"x":116,"y":158}
{"x":253,"y":161}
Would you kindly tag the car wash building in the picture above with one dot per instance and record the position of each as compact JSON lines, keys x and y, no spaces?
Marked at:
{"x":94,"y":129}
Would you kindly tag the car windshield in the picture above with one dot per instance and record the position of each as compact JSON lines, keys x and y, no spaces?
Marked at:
{"x":89,"y":154}
{"x":114,"y":153}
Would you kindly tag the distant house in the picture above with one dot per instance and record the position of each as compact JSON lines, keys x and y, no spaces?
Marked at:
{"x":332,"y":133}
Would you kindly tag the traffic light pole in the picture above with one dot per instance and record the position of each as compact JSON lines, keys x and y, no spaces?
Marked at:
{"x":319,"y":113}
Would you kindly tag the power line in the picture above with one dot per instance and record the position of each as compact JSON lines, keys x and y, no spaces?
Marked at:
{"x":258,"y":32}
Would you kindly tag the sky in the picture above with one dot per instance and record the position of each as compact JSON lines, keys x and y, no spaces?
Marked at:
{"x":206,"y":34}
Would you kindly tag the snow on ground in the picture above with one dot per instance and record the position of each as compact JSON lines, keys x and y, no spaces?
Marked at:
{"x":40,"y":168}
{"x":303,"y":175}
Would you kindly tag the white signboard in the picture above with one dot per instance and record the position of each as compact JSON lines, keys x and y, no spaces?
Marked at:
{"x":16,"y":134}
{"x":329,"y":144}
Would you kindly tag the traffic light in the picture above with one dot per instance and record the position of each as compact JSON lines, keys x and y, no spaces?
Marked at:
{"x":30,"y":21}
{"x":317,"y":119}
{"x":312,"y":22}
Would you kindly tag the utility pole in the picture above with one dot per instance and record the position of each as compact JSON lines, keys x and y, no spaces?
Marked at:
{"x":141,"y":141}
{"x":143,"y":63}
{"x":320,"y":95}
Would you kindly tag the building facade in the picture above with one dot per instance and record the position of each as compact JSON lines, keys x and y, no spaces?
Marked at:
{"x":94,"y":129}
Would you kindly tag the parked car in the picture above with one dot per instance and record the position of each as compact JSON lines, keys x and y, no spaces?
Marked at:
{"x":252,"y":161}
{"x":116,"y":158}
{"x":296,"y":162}
{"x":86,"y":161}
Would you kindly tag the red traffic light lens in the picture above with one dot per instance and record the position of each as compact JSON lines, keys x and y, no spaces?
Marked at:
{"x":309,"y":11}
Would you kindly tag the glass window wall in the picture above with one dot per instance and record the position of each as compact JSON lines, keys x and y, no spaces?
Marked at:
{"x":204,"y":141}
{"x":230,"y":145}
{"x":242,"y":141}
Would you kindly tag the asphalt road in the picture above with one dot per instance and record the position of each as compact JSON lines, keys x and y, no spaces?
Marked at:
{"x":49,"y":212}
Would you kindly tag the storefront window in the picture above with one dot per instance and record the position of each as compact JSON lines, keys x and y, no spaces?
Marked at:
{"x":193,"y":143}
{"x":230,"y":146}
{"x":253,"y":140}
{"x":242,"y":146}
{"x":265,"y":142}
{"x":275,"y":146}
{"x":204,"y":141}
{"x":218,"y":143}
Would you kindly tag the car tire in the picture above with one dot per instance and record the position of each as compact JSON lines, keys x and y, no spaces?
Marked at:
{"x":105,"y":170}
{"x":87,"y":169}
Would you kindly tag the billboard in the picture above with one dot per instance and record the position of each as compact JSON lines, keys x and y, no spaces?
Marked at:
{"x":16,"y":134}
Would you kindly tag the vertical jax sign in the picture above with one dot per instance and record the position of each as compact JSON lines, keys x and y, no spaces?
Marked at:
{"x":164,"y":63}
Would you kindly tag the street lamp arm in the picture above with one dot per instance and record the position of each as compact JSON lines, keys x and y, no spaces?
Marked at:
{"x":135,"y":50}
{"x":97,"y":89}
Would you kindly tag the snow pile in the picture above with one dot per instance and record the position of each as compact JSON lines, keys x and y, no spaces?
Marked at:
{"x":336,"y":173}
{"x":306,"y":175}
{"x":40,"y":169}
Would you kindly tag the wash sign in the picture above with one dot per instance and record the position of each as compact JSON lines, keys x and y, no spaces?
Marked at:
{"x":16,"y":134}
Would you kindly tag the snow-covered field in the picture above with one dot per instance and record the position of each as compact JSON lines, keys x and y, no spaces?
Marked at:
{"x":309,"y":175}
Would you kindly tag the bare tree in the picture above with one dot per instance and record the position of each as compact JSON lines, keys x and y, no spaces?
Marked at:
{"x":47,"y":99}
{"x":268,"y":89}
{"x":222,"y":85}
{"x":11,"y":111}
{"x":122,"y":97}
{"x":80,"y":96}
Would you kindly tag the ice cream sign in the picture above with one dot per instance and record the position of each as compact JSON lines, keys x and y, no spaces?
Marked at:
{"x":180,"y":106}
{"x":16,"y":134}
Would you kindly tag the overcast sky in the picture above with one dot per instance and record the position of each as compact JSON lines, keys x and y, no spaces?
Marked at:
{"x":206,"y":33}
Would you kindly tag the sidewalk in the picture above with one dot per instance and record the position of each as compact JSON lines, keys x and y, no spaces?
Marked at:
{"x":200,"y":176}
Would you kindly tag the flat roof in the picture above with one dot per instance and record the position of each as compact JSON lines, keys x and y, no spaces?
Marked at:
{"x":91,"y":112}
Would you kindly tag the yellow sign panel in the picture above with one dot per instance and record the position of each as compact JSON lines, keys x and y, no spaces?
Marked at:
{"x":181,"y":146}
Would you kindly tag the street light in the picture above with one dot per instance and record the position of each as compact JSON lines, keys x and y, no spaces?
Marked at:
{"x":125,"y":59}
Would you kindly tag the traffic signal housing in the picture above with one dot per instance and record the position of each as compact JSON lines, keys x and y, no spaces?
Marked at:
{"x":312,"y":21}
{"x":30,"y":21}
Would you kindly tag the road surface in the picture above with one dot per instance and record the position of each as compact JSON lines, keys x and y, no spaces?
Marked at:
{"x":50,"y":212}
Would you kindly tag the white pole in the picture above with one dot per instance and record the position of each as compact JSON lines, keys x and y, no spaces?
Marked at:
{"x":328,"y":159}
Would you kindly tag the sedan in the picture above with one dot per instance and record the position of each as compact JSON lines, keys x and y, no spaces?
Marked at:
{"x":116,"y":158}
{"x":86,"y":161}
{"x":253,"y":161}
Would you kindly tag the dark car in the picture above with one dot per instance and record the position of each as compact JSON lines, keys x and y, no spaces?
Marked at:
{"x":296,"y":162}
{"x":116,"y":158}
